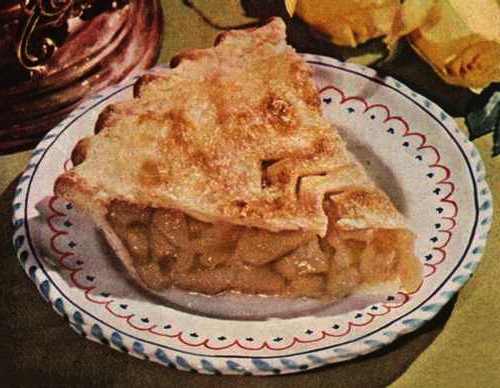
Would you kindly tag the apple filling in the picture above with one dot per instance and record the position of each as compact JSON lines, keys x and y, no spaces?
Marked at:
{"x":170,"y":248}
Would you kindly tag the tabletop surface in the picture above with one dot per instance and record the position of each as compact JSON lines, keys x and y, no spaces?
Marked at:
{"x":457,"y":348}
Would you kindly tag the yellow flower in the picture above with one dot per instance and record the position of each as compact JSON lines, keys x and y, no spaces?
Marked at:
{"x":461,"y":41}
{"x":347,"y":22}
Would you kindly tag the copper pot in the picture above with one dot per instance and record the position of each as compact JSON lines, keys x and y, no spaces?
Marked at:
{"x":55,"y":52}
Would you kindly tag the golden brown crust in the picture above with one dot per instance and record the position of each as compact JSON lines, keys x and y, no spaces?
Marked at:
{"x":199,"y":138}
{"x":80,"y":152}
{"x":142,"y":82}
{"x":365,"y":208}
{"x":70,"y":185}
{"x":105,"y":118}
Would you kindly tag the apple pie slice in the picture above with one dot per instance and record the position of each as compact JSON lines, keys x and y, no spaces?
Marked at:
{"x":222,"y":175}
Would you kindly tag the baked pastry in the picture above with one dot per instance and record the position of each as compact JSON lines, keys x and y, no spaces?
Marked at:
{"x":222,"y":175}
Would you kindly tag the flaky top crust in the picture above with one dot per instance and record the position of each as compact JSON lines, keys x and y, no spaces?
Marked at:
{"x":234,"y":134}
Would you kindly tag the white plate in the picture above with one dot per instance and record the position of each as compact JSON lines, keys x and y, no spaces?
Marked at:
{"x":408,"y":144}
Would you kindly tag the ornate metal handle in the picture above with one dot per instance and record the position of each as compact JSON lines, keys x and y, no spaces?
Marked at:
{"x":37,"y":44}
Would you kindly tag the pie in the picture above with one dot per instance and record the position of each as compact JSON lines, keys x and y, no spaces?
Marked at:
{"x":221,"y":174}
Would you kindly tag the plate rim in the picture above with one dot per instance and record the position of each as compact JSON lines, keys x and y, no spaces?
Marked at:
{"x":255,"y":364}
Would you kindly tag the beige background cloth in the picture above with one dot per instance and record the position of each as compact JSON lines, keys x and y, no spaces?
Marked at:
{"x":37,"y":347}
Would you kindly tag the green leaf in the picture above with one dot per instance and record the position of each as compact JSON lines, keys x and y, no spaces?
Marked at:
{"x":496,"y":139}
{"x":484,"y":117}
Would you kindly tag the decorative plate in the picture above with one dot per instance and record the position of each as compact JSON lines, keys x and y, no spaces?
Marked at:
{"x":409,"y":145}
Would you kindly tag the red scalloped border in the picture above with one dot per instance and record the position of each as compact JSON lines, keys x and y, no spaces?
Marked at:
{"x":423,"y":145}
{"x":63,"y":255}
